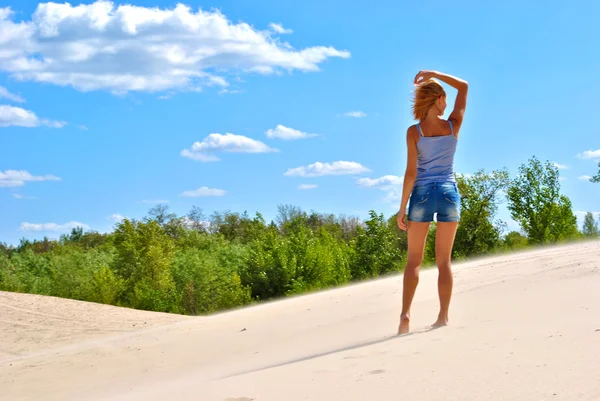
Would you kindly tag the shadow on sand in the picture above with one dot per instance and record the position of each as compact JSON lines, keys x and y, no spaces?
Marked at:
{"x":334,"y":351}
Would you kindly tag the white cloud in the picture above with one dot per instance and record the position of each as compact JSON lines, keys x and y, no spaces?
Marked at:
{"x":204,"y":191}
{"x":19,"y":196}
{"x":320,"y":169}
{"x":595,"y":214}
{"x":307,"y":186}
{"x":355,"y":114}
{"x":117,"y":217}
{"x":53,"y":124}
{"x":4,"y":93}
{"x":385,"y":180}
{"x":18,"y":178}
{"x":589,"y":154}
{"x":202,"y":151}
{"x":391,"y":184}
{"x":583,"y":213}
{"x":580,"y":214}
{"x":286,"y":133}
{"x":561,"y":166}
{"x":585,"y":177}
{"x":199,"y":156}
{"x":562,"y":178}
{"x":394,"y":194}
{"x":278,"y":28}
{"x":101,"y":46}
{"x":18,"y":117}
{"x":53,"y":226}
{"x":230,"y":91}
{"x":191,"y":223}
{"x":83,"y":128}
{"x":167,"y":96}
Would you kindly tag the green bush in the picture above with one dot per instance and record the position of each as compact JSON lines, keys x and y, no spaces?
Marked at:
{"x":207,"y":278}
{"x":375,"y":250}
{"x":106,"y":286}
{"x":515,"y":241}
{"x":73,"y":269}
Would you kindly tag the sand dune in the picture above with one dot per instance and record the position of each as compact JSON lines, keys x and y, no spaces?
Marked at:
{"x":524,"y":326}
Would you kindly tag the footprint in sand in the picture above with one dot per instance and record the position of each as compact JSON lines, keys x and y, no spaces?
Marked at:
{"x":353,"y":356}
{"x":377,"y":371}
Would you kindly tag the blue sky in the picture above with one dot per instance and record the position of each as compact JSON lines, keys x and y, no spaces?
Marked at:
{"x":100,"y":106}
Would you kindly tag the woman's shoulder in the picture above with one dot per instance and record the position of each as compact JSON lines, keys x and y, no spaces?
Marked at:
{"x":413,"y":131}
{"x":414,"y":128}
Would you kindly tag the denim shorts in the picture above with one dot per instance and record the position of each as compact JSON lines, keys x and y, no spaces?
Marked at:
{"x":441,"y":198}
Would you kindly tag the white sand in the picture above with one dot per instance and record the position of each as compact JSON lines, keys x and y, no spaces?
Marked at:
{"x":524,"y":326}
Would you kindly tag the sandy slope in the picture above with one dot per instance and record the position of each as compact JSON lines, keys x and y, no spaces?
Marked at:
{"x":523,"y":327}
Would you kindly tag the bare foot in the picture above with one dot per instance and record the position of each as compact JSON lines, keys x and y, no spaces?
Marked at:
{"x":441,"y":321}
{"x":404,"y":324}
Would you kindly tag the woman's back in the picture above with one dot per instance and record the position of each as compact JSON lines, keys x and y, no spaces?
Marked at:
{"x":435,"y":160}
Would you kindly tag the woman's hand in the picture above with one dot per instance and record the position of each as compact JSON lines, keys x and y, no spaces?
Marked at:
{"x":424,"y":75}
{"x":401,"y":219}
{"x":462,"y":86}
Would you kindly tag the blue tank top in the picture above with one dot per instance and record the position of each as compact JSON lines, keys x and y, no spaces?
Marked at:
{"x":435,"y":161}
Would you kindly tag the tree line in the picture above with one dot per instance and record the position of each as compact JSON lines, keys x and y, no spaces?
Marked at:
{"x":195,"y":264}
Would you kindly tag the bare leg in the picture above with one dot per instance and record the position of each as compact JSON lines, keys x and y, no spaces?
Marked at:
{"x":417,"y":235}
{"x":443,"y":254}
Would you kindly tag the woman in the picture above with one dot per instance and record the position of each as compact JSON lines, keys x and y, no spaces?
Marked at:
{"x":430,"y":183}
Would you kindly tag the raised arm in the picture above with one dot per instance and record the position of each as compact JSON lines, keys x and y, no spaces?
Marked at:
{"x":410,"y":175}
{"x":462,"y":86}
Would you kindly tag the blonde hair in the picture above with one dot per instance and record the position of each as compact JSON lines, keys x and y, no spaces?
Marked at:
{"x":425,"y":96}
